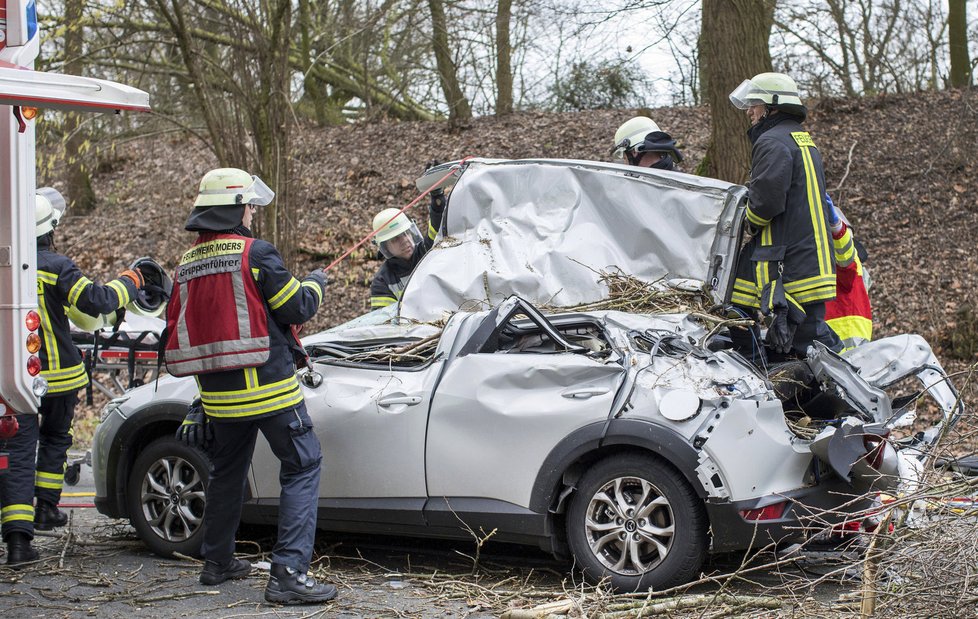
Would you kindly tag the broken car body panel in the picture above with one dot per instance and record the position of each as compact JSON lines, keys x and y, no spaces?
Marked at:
{"x":544,"y":229}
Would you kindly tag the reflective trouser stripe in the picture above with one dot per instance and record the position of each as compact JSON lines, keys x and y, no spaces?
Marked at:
{"x":17,"y":482}
{"x":52,"y":481}
{"x":12,"y":513}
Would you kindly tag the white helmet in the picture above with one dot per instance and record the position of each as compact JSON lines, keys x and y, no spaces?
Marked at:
{"x":49,"y":206}
{"x":391,"y":223}
{"x":632,"y":133}
{"x":775,"y":89}
{"x":232,"y":187}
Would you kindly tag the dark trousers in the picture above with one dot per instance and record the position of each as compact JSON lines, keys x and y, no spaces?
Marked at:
{"x":17,"y":482}
{"x":54,"y":440}
{"x":294,"y":443}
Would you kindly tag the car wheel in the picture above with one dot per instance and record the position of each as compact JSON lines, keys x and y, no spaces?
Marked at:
{"x":635,"y":521}
{"x":166,"y":497}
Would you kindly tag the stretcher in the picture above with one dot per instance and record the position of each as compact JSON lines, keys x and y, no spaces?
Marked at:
{"x":121,"y":357}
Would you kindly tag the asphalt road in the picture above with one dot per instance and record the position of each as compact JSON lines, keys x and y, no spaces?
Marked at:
{"x":97,"y":567}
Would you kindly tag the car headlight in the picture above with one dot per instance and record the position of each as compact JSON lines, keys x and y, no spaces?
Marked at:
{"x":112,"y":407}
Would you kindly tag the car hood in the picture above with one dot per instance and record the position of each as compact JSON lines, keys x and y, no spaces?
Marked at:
{"x":546,"y":229}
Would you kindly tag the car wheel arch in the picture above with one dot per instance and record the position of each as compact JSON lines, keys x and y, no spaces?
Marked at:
{"x":133,"y":437}
{"x":571,"y":456}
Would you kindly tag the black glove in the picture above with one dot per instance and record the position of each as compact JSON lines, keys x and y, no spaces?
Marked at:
{"x":431,"y":164}
{"x":196,"y":430}
{"x":321,"y":276}
{"x":787,"y":316}
{"x":438,"y":199}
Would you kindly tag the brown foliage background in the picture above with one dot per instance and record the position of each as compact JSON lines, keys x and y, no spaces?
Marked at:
{"x":902,"y":168}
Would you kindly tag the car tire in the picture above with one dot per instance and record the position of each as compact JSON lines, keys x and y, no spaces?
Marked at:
{"x":166,"y":497}
{"x":636,"y":522}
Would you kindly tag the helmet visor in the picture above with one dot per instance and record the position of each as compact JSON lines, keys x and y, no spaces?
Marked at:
{"x":402,"y":245}
{"x":58,"y":203}
{"x":618,"y":150}
{"x":748,"y":94}
{"x":258,"y":193}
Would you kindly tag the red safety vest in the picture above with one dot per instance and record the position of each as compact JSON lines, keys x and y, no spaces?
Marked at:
{"x":849,"y":314}
{"x":216,"y":318}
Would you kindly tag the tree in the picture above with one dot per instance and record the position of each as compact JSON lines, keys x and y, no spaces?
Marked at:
{"x":77,"y":145}
{"x":733,"y":47}
{"x":458,"y":106}
{"x":862,"y":47}
{"x":957,"y":34}
{"x":504,"y":68}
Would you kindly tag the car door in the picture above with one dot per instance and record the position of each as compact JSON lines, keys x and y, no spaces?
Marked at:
{"x":496,"y":416}
{"x":370,"y":420}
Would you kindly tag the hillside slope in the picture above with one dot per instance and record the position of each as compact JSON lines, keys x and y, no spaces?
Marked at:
{"x":902,"y":168}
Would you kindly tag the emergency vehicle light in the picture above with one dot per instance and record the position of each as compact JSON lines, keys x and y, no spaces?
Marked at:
{"x":33,"y":365}
{"x":28,"y":113}
{"x":33,"y":320}
{"x":33,"y":342}
{"x":39,"y":386}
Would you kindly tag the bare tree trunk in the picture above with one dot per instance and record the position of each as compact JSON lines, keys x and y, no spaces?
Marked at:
{"x":458,"y":105}
{"x":957,"y":34}
{"x":77,"y":145}
{"x":504,"y":68}
{"x":733,"y":47}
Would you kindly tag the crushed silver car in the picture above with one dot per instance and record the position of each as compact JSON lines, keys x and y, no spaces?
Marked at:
{"x":634,"y":442}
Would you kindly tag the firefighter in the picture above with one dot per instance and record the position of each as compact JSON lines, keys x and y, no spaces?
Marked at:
{"x":61,"y":287}
{"x":850,"y":314}
{"x":17,"y":492}
{"x":229,"y":324}
{"x":640,"y":143}
{"x":402,"y":246}
{"x":786,"y":270}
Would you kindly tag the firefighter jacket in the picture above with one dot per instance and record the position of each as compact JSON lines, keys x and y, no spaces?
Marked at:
{"x":229,"y":324}
{"x":60,"y":285}
{"x":850,"y":314}
{"x":786,"y":205}
{"x":389,"y":282}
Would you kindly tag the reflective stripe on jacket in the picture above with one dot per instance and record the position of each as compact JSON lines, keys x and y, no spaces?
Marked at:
{"x":249,"y":392}
{"x":61,"y":284}
{"x":786,"y":205}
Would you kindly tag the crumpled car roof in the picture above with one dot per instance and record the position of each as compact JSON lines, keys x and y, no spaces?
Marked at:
{"x":545,"y":229}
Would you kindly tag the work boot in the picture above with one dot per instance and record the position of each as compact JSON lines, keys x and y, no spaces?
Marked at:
{"x":214,"y":573}
{"x":47,"y":516}
{"x":288,"y":586}
{"x":19,"y":549}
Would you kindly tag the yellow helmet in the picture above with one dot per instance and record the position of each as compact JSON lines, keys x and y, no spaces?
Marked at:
{"x":391,"y":223}
{"x":87,"y":322}
{"x":632,"y":133}
{"x":775,"y":89}
{"x":232,"y":187}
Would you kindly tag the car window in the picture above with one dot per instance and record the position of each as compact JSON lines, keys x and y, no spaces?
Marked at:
{"x":515,"y":326}
{"x":407,"y":353}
